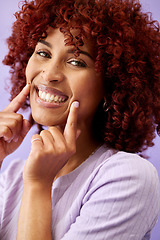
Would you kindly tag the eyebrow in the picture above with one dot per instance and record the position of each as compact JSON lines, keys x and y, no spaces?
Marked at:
{"x":81,"y":52}
{"x":45,"y":43}
{"x":69,"y":51}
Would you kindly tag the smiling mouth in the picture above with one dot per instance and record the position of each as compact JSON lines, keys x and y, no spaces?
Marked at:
{"x":51,"y":98}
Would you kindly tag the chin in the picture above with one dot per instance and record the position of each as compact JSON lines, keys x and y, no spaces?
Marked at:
{"x":43,"y":120}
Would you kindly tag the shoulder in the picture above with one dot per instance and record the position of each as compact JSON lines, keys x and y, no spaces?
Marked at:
{"x":128,"y":177}
{"x":129,"y":185}
{"x":123,"y":169}
{"x":130,"y":172}
{"x":129,"y":165}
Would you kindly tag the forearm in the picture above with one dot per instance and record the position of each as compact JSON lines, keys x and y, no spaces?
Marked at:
{"x":35,"y":214}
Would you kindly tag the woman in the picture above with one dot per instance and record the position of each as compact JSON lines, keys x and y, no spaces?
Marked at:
{"x":93,"y":74}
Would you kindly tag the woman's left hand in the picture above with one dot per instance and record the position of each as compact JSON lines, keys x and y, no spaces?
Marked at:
{"x":51,"y":150}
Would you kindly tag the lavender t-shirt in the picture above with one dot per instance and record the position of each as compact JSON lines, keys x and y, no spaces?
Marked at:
{"x":112,"y":195}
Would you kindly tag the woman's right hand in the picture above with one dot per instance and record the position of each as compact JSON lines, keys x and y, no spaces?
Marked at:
{"x":13,"y":128}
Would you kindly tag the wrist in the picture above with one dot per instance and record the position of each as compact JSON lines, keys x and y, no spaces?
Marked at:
{"x":35,"y":216}
{"x":37,"y":187}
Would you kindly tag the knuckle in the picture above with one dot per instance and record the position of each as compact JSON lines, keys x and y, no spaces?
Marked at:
{"x":60,"y":149}
{"x":14,"y":123}
{"x":19,"y":117}
{"x":5,"y":130}
{"x":15,"y":127}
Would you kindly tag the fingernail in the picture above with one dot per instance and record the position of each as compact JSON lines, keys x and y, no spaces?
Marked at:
{"x":76,"y":104}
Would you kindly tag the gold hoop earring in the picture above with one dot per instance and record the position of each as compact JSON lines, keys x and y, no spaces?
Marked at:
{"x":105,"y":107}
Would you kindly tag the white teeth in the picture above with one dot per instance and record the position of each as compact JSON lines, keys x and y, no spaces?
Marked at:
{"x":43,"y":96}
{"x":40,"y":93}
{"x":56,"y":98}
{"x":48,"y":95}
{"x":50,"y":98}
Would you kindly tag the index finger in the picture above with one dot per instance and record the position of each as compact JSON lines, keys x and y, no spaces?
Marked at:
{"x":70,"y":130}
{"x":18,"y":101}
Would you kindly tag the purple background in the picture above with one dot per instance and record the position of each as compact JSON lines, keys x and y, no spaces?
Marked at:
{"x":8,"y":7}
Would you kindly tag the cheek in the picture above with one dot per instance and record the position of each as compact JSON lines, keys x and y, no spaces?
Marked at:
{"x":91,"y":87}
{"x":89,"y":92}
{"x":31,"y":70}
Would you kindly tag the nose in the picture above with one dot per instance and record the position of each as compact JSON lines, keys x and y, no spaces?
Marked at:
{"x":52,"y":73}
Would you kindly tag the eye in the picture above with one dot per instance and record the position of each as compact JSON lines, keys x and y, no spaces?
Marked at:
{"x":43,"y":54}
{"x":77,"y":63}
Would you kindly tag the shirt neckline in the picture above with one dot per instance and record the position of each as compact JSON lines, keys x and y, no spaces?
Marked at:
{"x":65,"y":179}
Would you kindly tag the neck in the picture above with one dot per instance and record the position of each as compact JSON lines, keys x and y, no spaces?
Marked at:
{"x":86,"y":146}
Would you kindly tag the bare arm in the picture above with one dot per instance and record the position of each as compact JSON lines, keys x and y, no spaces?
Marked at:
{"x":48,"y":155}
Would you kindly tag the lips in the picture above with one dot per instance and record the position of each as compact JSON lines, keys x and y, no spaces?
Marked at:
{"x":50,"y":95}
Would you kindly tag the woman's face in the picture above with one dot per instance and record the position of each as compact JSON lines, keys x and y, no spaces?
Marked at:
{"x":58,"y":78}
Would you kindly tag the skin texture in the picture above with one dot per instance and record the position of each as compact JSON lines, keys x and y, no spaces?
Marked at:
{"x":53,"y":68}
{"x":46,"y":158}
{"x":13,"y":128}
{"x":125,"y":48}
{"x":56,"y":67}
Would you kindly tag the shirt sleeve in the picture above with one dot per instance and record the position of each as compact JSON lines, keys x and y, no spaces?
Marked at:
{"x":10,"y":196}
{"x":122,"y":202}
{"x":2,"y":180}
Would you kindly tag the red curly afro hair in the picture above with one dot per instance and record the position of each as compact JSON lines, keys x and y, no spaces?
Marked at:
{"x":127,"y":47}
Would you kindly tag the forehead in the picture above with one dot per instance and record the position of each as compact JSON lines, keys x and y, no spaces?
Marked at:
{"x":70,"y":38}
